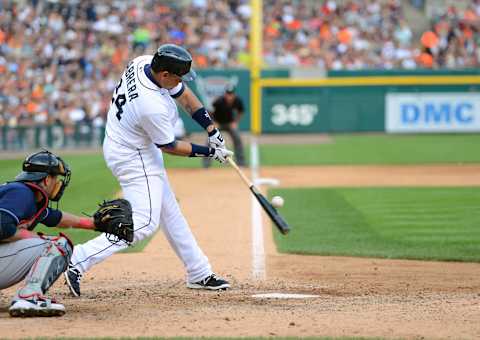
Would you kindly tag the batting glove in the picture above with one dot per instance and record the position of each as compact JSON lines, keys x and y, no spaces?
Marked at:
{"x":216,"y":140}
{"x":221,"y":154}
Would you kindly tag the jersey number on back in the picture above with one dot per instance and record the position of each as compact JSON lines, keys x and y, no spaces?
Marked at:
{"x":119,"y":100}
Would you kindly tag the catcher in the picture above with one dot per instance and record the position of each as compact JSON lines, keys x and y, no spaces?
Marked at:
{"x":37,"y":258}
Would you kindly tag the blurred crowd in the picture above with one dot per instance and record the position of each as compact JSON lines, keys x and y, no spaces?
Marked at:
{"x":354,"y":35}
{"x":454,"y":38}
{"x":369,"y":34}
{"x":60,"y":60}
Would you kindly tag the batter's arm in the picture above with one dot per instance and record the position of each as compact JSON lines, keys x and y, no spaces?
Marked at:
{"x":186,"y":149}
{"x":177,"y":148}
{"x":191,"y":104}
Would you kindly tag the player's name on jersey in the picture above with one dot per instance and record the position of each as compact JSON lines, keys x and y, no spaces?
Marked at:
{"x":131,"y":86}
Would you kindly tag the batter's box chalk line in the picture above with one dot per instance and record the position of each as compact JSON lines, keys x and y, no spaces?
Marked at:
{"x":267,"y":181}
{"x":283,"y":296}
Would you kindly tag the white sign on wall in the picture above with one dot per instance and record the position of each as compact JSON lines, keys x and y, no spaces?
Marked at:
{"x":432,"y":112}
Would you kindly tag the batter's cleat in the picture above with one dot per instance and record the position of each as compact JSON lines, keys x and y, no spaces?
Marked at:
{"x":36,"y":307}
{"x":72,"y":279}
{"x":211,"y":282}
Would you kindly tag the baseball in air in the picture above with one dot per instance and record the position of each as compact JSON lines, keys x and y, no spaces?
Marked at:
{"x":277,"y":201}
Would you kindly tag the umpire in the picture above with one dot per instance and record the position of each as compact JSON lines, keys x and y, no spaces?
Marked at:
{"x":227,"y":112}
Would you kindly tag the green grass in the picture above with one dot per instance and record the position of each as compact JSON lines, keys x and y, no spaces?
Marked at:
{"x":377,"y":149}
{"x":93,"y":182}
{"x":362,"y":149}
{"x":405,"y":223}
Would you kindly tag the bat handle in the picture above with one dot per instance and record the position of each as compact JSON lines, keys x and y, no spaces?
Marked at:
{"x":240,"y":172}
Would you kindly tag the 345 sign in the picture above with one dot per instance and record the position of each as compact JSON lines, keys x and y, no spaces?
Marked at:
{"x":295,"y":114}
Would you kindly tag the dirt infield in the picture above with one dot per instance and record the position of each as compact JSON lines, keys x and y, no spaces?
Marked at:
{"x":144,"y":294}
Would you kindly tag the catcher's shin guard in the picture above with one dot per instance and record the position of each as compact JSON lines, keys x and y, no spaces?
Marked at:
{"x":47,"y":268}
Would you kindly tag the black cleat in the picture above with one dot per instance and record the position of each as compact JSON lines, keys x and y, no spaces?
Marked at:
{"x":211,"y":282}
{"x":72,"y":279}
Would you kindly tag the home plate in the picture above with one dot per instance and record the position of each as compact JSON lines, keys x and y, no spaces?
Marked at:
{"x":283,"y":296}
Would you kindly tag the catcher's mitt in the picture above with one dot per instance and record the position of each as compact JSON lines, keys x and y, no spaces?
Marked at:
{"x":115,"y":218}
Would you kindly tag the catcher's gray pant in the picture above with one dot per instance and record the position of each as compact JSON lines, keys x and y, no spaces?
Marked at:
{"x":145,"y":185}
{"x":16,"y":259}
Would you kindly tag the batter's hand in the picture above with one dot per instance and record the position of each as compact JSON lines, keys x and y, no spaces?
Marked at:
{"x":216,"y":140}
{"x":221,"y":154}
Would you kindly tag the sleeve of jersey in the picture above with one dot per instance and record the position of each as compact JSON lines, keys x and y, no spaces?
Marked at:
{"x":158,"y":127}
{"x":177,"y":91}
{"x":51,"y":217}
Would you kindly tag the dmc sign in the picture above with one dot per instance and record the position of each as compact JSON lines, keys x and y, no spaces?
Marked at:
{"x":432,"y":112}
{"x":437,"y":113}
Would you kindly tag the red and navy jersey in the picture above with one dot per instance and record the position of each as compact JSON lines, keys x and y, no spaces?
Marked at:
{"x":17,"y":199}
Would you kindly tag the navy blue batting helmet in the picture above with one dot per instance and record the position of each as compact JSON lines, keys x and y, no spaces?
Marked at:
{"x":174,"y":59}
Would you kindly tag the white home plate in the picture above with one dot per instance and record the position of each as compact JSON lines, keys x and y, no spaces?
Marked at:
{"x":283,"y":296}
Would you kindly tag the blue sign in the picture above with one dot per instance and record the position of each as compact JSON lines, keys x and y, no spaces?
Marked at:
{"x":435,"y":113}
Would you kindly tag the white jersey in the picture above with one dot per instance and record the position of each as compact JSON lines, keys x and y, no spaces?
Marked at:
{"x":141,"y":113}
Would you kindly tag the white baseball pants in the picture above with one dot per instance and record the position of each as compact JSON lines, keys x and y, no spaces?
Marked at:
{"x":145,"y":185}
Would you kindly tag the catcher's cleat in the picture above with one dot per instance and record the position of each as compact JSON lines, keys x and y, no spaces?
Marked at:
{"x":36,"y":307}
{"x":72,"y":279}
{"x":211,"y":282}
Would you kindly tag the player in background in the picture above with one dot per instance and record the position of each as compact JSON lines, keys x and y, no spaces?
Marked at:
{"x":40,"y":259}
{"x":140,"y":127}
{"x":228,"y":110}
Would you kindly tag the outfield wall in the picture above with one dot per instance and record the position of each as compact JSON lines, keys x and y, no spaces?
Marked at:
{"x":401,"y":103}
{"x":344,"y":108}
{"x":353,"y":101}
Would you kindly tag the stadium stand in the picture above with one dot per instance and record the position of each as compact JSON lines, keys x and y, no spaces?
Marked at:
{"x":59,"y":59}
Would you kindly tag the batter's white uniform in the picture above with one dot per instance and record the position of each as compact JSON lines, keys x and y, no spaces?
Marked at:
{"x":140,"y":116}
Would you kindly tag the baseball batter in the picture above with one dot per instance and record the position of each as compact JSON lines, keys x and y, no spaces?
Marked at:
{"x":140,"y":126}
{"x":39,"y":259}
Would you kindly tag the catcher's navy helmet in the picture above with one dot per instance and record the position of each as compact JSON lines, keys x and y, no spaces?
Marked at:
{"x":174,"y":59}
{"x":41,"y":164}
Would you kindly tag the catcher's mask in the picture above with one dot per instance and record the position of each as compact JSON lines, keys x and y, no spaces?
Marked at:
{"x":39,"y":165}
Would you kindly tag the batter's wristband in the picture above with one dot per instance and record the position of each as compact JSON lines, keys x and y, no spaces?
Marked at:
{"x":202,"y":117}
{"x":201,"y":151}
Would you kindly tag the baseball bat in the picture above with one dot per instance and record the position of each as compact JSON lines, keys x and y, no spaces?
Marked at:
{"x":274,"y":215}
